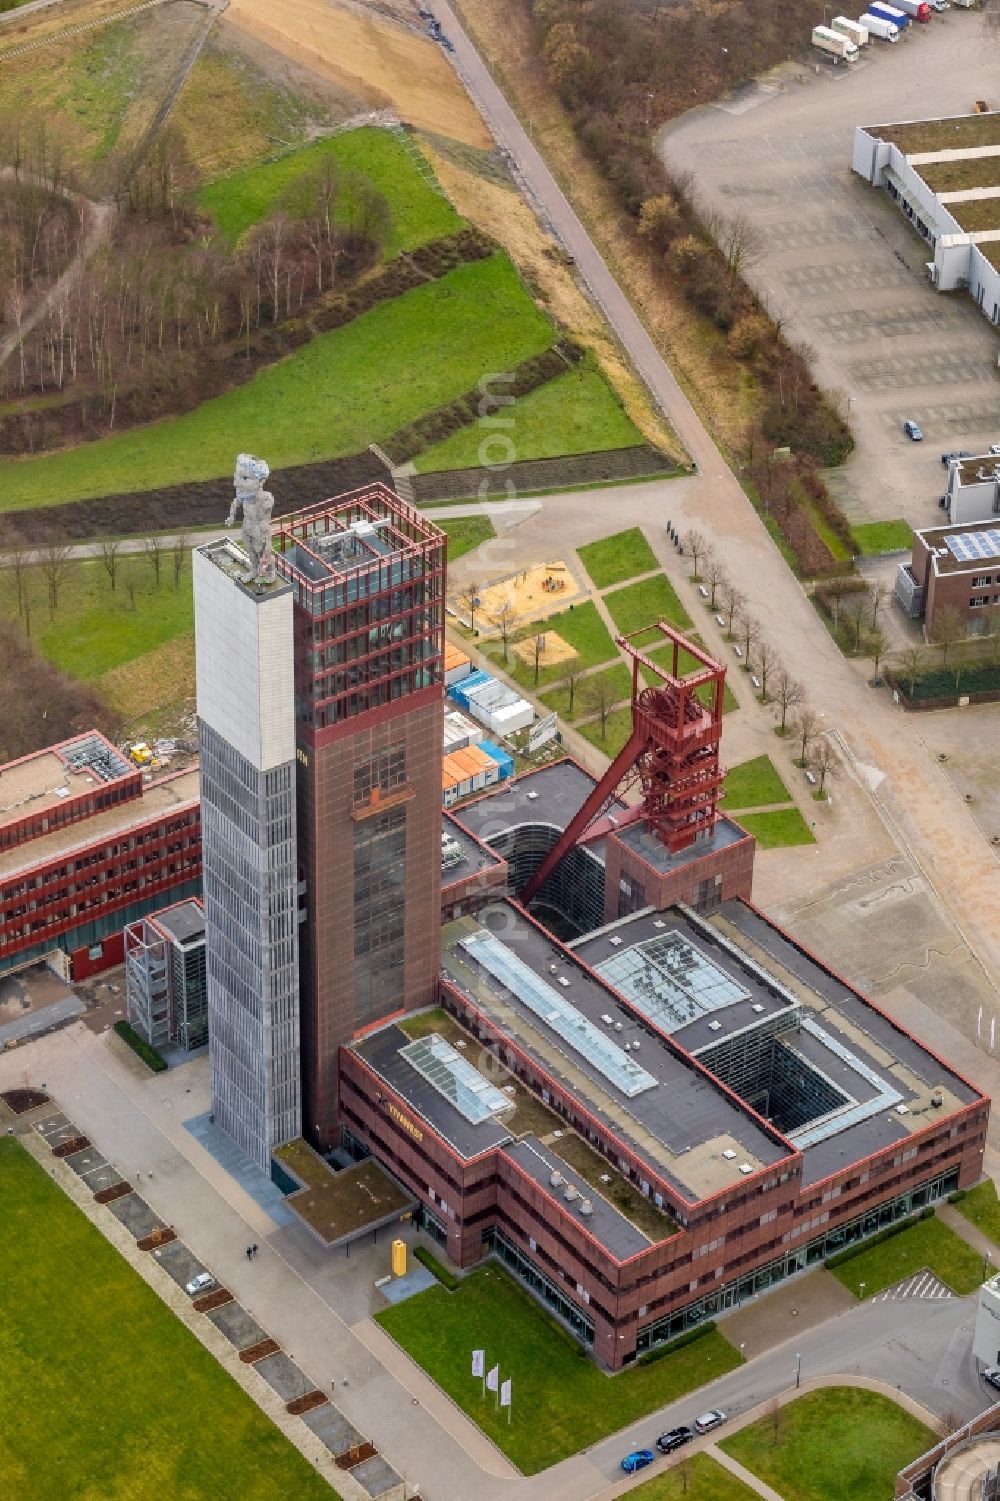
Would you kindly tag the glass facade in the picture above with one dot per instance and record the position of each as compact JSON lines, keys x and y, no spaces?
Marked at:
{"x":544,"y":1289}
{"x":379,"y":914}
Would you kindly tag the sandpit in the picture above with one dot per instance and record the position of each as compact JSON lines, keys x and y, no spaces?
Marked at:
{"x":556,"y":650}
{"x":534,"y":594}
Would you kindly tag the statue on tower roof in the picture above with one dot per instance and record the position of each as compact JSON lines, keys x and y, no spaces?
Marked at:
{"x":256,"y":504}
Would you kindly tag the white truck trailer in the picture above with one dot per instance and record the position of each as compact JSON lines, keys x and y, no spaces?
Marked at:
{"x":835,"y":43}
{"x":886,"y":31}
{"x":853,"y":30}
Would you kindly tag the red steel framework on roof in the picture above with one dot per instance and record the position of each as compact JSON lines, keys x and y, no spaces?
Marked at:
{"x":672,"y":752}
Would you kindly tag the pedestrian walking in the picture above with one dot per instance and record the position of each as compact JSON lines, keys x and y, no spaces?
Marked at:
{"x":249,"y":1252}
{"x":256,"y":1248}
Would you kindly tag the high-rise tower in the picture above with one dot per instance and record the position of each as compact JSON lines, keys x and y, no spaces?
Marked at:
{"x":367,"y":574}
{"x":243,"y":632}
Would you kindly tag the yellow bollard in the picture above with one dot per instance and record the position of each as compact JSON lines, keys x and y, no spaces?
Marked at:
{"x":399,"y":1258}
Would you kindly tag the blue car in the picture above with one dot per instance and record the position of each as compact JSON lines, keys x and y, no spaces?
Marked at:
{"x":637,"y":1461}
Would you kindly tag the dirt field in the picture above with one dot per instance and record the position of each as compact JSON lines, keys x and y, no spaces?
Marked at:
{"x":527,"y":593}
{"x":556,"y":650}
{"x":385,"y":64}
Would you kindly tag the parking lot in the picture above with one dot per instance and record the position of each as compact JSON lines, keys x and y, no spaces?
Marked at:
{"x":843,"y":267}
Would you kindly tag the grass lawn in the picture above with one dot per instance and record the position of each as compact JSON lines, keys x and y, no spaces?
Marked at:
{"x":639,"y":605}
{"x":981,"y":1208}
{"x":618,"y":678}
{"x":465,"y":533}
{"x":617,"y":729}
{"x":785,"y":826}
{"x":562,"y":1401}
{"x":580,"y":626}
{"x":94,"y":630}
{"x":883,"y":536}
{"x":685,"y":664}
{"x":616,"y":558}
{"x":926,"y":1243}
{"x":576,"y":413}
{"x":336,"y":395}
{"x":418,"y":212}
{"x":693,"y":1477}
{"x":838,"y":1444}
{"x":754,"y":784}
{"x":85,"y":1410}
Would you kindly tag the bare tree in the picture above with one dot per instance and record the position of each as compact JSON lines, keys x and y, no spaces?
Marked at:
{"x":695,"y":544}
{"x":767,"y":663}
{"x":959,"y":661}
{"x":56,"y":564}
{"x":740,"y":241}
{"x":878,"y":644}
{"x":179,"y":549}
{"x":468,"y":598}
{"x":911,"y":666}
{"x":128,"y":579}
{"x":775,"y":1417}
{"x":600,"y":696}
{"x":152,"y":546}
{"x":15,"y":560}
{"x":878,"y":594}
{"x":715,"y":577}
{"x":824,"y":763}
{"x":682,"y":1470}
{"x":787,"y":695}
{"x":503,"y":620}
{"x":748,"y":631}
{"x":948,"y":629}
{"x":537,"y":653}
{"x":573,"y":670}
{"x":855,"y":612}
{"x":110,"y":547}
{"x":835,"y":590}
{"x":806,"y":728}
{"x":730,"y":599}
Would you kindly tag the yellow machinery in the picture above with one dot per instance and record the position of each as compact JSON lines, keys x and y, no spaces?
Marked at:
{"x":399,"y":1258}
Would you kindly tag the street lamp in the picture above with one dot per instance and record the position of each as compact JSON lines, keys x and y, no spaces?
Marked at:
{"x":798,"y":1371}
{"x":861,"y":1290}
{"x":986,"y":1262}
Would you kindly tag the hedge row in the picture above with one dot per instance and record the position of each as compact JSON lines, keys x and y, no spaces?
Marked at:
{"x":840,"y":1257}
{"x":436,"y":1268}
{"x":428,"y":263}
{"x":689,"y":1337}
{"x":141,"y":1048}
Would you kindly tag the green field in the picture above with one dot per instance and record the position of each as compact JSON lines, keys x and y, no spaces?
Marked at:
{"x":618,"y":679}
{"x":639,"y":605}
{"x":105,"y":1394}
{"x":783,"y":827}
{"x":614,"y":559}
{"x":982,"y":1209}
{"x":755,"y":784}
{"x":883,"y":536}
{"x":617,"y":730}
{"x":575,"y":413}
{"x":418,"y":211}
{"x":693,"y":1477}
{"x":465,"y":533}
{"x":838,"y":1444}
{"x":580,"y":626}
{"x":561,"y":1401}
{"x":663,"y":656}
{"x":925,"y":1244}
{"x":94,"y":629}
{"x":336,"y":395}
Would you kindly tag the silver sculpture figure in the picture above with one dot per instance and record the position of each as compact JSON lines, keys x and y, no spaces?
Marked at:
{"x":256,"y":504}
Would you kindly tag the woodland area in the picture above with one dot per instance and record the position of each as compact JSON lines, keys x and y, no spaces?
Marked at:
{"x":57,"y":707}
{"x":616,"y":67}
{"x":165,"y":314}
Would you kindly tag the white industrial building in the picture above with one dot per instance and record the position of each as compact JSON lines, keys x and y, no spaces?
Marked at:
{"x":986,"y":1340}
{"x":944,"y":175}
{"x":973,"y":492}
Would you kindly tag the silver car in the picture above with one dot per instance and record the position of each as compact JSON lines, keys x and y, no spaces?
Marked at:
{"x":709,"y":1420}
{"x":199,"y":1284}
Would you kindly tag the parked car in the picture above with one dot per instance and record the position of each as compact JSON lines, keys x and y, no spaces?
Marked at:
{"x":709,"y":1420}
{"x":994,"y":450}
{"x":199,"y":1284}
{"x":637,"y":1460}
{"x":992,"y":1375}
{"x":673,"y":1439}
{"x":960,"y":453}
{"x":912,"y":431}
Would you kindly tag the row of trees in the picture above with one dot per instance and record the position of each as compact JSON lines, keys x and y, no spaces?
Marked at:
{"x":40,"y":577}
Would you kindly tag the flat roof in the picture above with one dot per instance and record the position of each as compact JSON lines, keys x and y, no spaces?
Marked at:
{"x":952,"y":133}
{"x":642,"y":842}
{"x":682,"y":1127}
{"x":550,"y":795}
{"x":184,"y":921}
{"x":964,"y":547}
{"x":157,"y":798}
{"x":340,"y":1205}
{"x":472,"y":857}
{"x":969,"y":472}
{"x":592,"y":1211}
{"x":52,"y":776}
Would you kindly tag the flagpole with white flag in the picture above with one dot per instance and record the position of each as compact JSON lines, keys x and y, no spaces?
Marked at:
{"x":979,"y":1024}
{"x":505,"y":1398}
{"x":993,"y":1031}
{"x":479,"y":1366}
{"x":493,"y":1381}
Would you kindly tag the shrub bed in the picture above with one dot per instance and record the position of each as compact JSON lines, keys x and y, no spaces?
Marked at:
{"x":689,"y":1337}
{"x":140,"y":1047}
{"x":840,"y":1258}
{"x":436,"y":1268}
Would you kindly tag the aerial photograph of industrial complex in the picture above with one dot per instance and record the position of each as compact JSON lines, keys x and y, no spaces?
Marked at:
{"x":499,"y":750}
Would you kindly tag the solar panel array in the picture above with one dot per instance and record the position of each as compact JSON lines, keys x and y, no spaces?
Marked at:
{"x":455,"y":1077}
{"x":971,"y":547}
{"x":564,"y":1019}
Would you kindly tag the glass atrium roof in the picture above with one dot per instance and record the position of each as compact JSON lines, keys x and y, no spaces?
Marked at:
{"x":456,"y":1078}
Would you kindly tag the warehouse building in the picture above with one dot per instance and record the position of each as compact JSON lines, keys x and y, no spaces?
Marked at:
{"x":944,"y":176}
{"x":87,"y":845}
{"x":957,"y":568}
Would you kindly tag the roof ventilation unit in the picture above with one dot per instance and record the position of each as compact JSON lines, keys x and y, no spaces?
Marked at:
{"x":615,"y":941}
{"x":531,"y":796}
{"x":556,"y":1178}
{"x":571,"y":1192}
{"x":745,"y":1168}
{"x":714,"y":1026}
{"x":729,"y":1154}
{"x":618,"y":1026}
{"x":607,"y":1020}
{"x":586,"y":1207}
{"x":757,"y":1007}
{"x":563,"y":981}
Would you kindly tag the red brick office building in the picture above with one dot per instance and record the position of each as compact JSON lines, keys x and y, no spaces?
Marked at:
{"x":954,"y":567}
{"x":86,"y":846}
